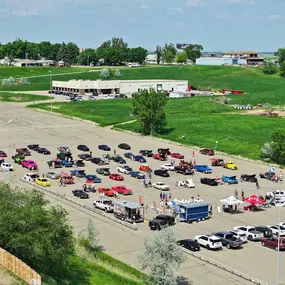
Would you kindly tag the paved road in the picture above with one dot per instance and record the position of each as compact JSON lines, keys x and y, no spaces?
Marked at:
{"x":52,"y":131}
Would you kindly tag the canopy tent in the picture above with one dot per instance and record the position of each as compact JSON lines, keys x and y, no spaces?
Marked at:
{"x":231,"y":201}
{"x":254,"y":200}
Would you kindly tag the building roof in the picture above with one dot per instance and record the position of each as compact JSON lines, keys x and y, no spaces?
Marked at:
{"x":193,"y":205}
{"x":130,"y":205}
{"x":240,"y":52}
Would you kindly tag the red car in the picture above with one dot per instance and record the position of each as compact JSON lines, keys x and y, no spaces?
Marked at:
{"x":273,"y":243}
{"x":107,"y":192}
{"x":2,"y":154}
{"x":116,"y":177}
{"x":177,"y":155}
{"x":207,"y":151}
{"x":159,"y":156}
{"x":122,"y":190}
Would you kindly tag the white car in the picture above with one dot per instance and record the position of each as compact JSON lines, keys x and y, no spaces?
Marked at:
{"x":104,"y":204}
{"x":209,"y":241}
{"x":31,"y":176}
{"x":275,"y":229}
{"x":186,"y":183}
{"x":239,"y":234}
{"x":167,"y":166}
{"x":124,"y":169}
{"x":251,"y":232}
{"x":67,"y":99}
{"x":105,"y":97}
{"x":160,"y":186}
{"x":5,"y":166}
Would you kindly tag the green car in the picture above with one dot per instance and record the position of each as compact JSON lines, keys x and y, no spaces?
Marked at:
{"x":19,"y":158}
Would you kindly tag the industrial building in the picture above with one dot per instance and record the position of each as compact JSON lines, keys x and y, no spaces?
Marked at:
{"x":98,"y":87}
{"x":214,"y":61}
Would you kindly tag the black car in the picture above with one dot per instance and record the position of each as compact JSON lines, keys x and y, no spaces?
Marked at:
{"x":119,"y":159}
{"x":268,"y":175}
{"x":129,"y":155}
{"x":43,"y":150}
{"x":190,"y":244}
{"x":267,"y":232}
{"x":103,"y":171}
{"x":249,"y":178}
{"x":64,"y":156}
{"x":161,"y":172}
{"x":170,"y":219}
{"x":124,"y":146}
{"x":156,"y":224}
{"x":209,"y":181}
{"x":80,"y":194}
{"x":184,"y":170}
{"x":104,"y":147}
{"x":33,"y":146}
{"x":145,"y":152}
{"x":82,"y":147}
{"x":54,"y":164}
{"x":79,"y":163}
{"x":85,"y":156}
{"x":164,"y":151}
{"x":120,"y":96}
{"x":98,"y":160}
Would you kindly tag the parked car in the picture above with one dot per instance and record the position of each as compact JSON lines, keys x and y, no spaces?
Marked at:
{"x":119,"y":159}
{"x":54,"y":164}
{"x":42,"y":182}
{"x":80,"y":194}
{"x":3,"y":154}
{"x":249,"y":177}
{"x":5,"y":166}
{"x":167,"y":166}
{"x":162,"y":173}
{"x":30,"y":164}
{"x":251,"y":233}
{"x":22,"y":151}
{"x":204,"y":168}
{"x":269,"y":176}
{"x":230,"y":179}
{"x":186,"y":183}
{"x":124,"y":146}
{"x":177,"y":155}
{"x":217,"y":162}
{"x":273,"y":243}
{"x":124,"y":169}
{"x":209,"y":241}
{"x":229,"y":240}
{"x":129,"y":155}
{"x":159,"y":156}
{"x":104,"y":204}
{"x":147,"y":153}
{"x":104,"y":147}
{"x":239,"y":234}
{"x":122,"y":190}
{"x":137,"y":175}
{"x":31,"y":177}
{"x":64,"y":149}
{"x":78,"y":163}
{"x":161,"y":186}
{"x":18,"y":158}
{"x":185,"y":170}
{"x":64,"y":156}
{"x":52,"y":175}
{"x":139,"y":158}
{"x":156,"y":224}
{"x":93,"y":178}
{"x":85,"y":156}
{"x":107,"y":192}
{"x":78,"y":173}
{"x":33,"y":146}
{"x":99,"y":161}
{"x":43,"y":150}
{"x":276,"y":229}
{"x":103,"y":171}
{"x":209,"y":181}
{"x":230,"y":165}
{"x":66,"y":163}
{"x":267,"y":232}
{"x":144,"y":167}
{"x":116,"y":176}
{"x":83,"y":147}
{"x":164,"y":151}
{"x":190,"y":244}
{"x":207,"y":151}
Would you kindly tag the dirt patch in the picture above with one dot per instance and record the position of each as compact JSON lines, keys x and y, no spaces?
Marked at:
{"x":6,"y":278}
{"x":18,"y":98}
{"x":258,"y":112}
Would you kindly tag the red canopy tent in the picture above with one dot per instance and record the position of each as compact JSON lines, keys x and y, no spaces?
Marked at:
{"x":254,"y":200}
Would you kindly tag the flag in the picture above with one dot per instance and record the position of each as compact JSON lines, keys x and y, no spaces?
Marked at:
{"x":164,"y":208}
{"x":154,"y":205}
{"x":140,"y":200}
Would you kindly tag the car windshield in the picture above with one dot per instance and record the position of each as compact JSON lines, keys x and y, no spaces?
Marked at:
{"x":34,"y":175}
{"x":43,"y":180}
{"x":215,"y":240}
{"x":107,"y":202}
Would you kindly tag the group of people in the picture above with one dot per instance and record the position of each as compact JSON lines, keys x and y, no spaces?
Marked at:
{"x":165,"y":197}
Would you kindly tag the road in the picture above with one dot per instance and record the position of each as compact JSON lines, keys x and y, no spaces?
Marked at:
{"x":49,"y":131}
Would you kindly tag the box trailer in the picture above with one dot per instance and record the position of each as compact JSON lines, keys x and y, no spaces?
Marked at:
{"x":193,"y":212}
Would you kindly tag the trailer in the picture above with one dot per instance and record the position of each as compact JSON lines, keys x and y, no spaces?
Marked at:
{"x":129,"y":211}
{"x":193,"y":212}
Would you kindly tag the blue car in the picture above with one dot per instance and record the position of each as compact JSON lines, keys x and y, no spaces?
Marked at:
{"x":66,"y":163}
{"x":204,"y":168}
{"x":78,"y":173}
{"x":139,"y":158}
{"x":104,"y":147}
{"x":93,"y":178}
{"x":230,"y":179}
{"x":129,"y":155}
{"x":137,"y":174}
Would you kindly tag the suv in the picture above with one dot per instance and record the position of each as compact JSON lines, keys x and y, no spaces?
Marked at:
{"x":170,"y":219}
{"x":31,"y":176}
{"x":229,"y":240}
{"x":156,"y":224}
{"x":161,"y":172}
{"x":239,"y":234}
{"x":251,"y":233}
{"x":209,"y":241}
{"x":273,"y":243}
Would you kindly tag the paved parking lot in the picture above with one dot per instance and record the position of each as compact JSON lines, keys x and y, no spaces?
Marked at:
{"x":53,"y":131}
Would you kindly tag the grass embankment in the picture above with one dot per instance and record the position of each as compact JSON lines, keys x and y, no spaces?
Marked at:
{"x":21,"y":98}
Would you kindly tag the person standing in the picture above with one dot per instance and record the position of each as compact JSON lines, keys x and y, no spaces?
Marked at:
{"x":169,"y":196}
{"x":257,"y":185}
{"x":160,"y":195}
{"x":115,"y":152}
{"x":242,"y":194}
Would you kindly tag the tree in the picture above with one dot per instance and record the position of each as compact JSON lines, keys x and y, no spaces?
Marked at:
{"x":63,"y":54}
{"x":158,"y":53}
{"x":37,"y":233}
{"x":105,"y":74}
{"x":168,"y":53}
{"x":194,"y":51}
{"x":268,"y":67}
{"x":278,"y":147}
{"x":138,"y":54}
{"x":281,"y":55}
{"x":45,"y":48}
{"x":162,"y":257}
{"x":87,"y":57}
{"x":32,"y":50}
{"x":282,"y":69}
{"x":55,"y":48}
{"x":73,"y":52}
{"x":149,"y":111}
{"x":117,"y":73}
{"x":181,"y":57}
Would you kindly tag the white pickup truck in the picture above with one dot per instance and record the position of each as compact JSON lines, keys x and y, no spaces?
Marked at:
{"x":104,"y":204}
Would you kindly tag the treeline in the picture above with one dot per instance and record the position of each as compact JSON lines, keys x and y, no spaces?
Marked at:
{"x":112,"y":52}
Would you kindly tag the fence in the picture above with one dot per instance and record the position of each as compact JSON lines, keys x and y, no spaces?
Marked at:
{"x":91,"y":209}
{"x":19,"y":268}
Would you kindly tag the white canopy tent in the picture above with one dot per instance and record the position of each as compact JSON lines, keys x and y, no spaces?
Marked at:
{"x":231,"y":201}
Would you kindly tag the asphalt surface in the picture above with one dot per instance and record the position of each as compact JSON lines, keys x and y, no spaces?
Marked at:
{"x":30,"y":127}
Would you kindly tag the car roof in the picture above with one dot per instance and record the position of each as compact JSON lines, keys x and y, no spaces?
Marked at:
{"x":224,"y":232}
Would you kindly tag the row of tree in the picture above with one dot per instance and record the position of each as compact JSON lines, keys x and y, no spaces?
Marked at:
{"x":113,"y":52}
{"x":269,"y":67}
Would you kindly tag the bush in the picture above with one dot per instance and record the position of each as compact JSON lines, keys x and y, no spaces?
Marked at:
{"x":267,"y":151}
{"x":24,"y":81}
{"x":105,"y":74}
{"x":117,"y":73}
{"x":269,"y":67}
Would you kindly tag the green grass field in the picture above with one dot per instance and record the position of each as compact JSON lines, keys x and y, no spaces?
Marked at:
{"x":21,"y":98}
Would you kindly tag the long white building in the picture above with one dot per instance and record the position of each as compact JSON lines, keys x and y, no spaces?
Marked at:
{"x":98,"y":87}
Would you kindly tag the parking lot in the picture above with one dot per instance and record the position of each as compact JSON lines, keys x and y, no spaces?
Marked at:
{"x":29,"y":127}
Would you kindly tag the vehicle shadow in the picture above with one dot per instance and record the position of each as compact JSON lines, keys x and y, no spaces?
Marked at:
{"x":166,"y":131}
{"x":181,"y":280}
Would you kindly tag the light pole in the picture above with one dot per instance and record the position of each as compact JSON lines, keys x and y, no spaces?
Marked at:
{"x":278,"y":250}
{"x":50,"y":86}
{"x":9,"y":152}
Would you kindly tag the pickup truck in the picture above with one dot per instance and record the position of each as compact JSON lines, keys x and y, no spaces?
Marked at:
{"x":23,"y":151}
{"x":251,"y":233}
{"x":104,"y":204}
{"x":203,"y":168}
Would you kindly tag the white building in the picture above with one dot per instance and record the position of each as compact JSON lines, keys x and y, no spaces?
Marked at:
{"x":151,"y":59}
{"x":214,"y":61}
{"x":119,"y":86}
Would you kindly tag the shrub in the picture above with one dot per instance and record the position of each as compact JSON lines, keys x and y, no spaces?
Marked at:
{"x":105,"y":74}
{"x":117,"y":73}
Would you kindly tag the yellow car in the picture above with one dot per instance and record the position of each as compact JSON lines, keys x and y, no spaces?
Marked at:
{"x":42,"y":182}
{"x":230,"y":165}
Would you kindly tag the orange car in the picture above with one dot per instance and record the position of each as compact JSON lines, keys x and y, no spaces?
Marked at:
{"x":67,"y":178}
{"x":107,"y":191}
{"x":144,"y":167}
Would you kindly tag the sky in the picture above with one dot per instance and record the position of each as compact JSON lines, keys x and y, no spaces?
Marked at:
{"x":218,"y":25}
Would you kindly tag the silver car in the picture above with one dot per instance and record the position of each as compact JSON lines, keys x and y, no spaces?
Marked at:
{"x":52,"y":175}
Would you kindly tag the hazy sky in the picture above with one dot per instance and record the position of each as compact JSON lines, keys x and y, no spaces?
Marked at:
{"x":216,"y":24}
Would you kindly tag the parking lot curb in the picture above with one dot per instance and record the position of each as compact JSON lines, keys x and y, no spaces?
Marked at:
{"x":91,"y":209}
{"x":225,"y":268}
